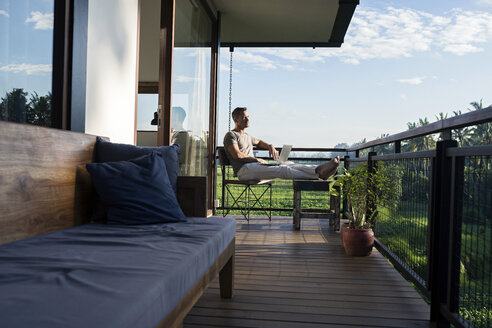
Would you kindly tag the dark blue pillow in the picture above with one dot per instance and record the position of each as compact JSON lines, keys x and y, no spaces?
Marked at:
{"x":106,"y":151}
{"x":137,"y":191}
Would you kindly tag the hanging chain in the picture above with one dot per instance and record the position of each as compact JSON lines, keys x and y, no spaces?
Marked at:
{"x":230,"y":89}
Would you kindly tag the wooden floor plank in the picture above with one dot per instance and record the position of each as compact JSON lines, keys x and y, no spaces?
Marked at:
{"x":289,"y":278}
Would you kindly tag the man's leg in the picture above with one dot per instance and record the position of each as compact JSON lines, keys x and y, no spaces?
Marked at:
{"x":255,"y":171}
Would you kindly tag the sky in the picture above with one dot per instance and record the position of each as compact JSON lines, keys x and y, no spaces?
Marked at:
{"x":26,"y":42}
{"x":401,"y":61}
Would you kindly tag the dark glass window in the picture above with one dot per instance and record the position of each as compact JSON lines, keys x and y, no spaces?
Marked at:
{"x":26,"y":56}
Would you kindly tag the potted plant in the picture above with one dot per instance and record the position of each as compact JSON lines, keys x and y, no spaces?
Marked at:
{"x":364,"y":191}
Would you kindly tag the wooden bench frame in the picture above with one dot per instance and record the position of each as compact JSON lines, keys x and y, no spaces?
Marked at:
{"x":44,"y":187}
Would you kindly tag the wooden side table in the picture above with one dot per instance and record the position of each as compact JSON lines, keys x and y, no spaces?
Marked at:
{"x":333,"y":214}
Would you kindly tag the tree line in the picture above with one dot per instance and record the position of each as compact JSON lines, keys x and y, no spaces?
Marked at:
{"x":18,"y":106}
{"x":468,"y":136}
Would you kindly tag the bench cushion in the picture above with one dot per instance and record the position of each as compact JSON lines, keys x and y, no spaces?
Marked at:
{"x":99,"y":275}
{"x":136,"y":191}
{"x":106,"y":151}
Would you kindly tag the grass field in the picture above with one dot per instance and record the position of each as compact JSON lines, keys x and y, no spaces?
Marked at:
{"x":282,"y":197}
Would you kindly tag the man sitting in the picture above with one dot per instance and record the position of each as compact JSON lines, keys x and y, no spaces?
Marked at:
{"x":239,"y":150}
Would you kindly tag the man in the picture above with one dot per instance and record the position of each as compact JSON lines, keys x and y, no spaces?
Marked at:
{"x":239,"y":150}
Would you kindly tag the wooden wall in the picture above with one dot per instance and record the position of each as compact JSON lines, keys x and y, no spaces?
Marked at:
{"x":43,"y":182}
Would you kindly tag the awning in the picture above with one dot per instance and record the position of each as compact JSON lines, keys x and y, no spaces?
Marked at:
{"x":284,"y":23}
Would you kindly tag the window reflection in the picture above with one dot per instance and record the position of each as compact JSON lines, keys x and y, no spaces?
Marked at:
{"x":191,"y":86}
{"x":26,"y":42}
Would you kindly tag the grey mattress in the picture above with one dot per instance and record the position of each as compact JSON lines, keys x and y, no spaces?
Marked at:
{"x":99,"y":275}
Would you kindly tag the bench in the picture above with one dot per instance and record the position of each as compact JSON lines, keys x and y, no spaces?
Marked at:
{"x":46,"y":202}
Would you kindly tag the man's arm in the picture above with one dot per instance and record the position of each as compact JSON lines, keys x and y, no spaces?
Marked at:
{"x":272,"y":152}
{"x":239,"y":155}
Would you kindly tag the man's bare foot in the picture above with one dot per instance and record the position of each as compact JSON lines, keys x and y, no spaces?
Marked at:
{"x":328,"y":169}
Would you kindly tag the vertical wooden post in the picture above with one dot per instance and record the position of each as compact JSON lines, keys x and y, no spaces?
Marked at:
{"x":439,"y":230}
{"x":226,"y":276}
{"x":212,"y":128}
{"x":62,"y":64}
{"x":346,"y":165}
{"x":456,"y":203}
{"x":371,"y":167}
{"x":397,"y":147}
{"x":166,"y":71}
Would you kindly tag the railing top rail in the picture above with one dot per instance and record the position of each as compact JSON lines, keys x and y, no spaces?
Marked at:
{"x":338,"y":150}
{"x":471,"y":118}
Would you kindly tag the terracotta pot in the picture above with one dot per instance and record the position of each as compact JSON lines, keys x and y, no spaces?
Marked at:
{"x":358,"y":242}
{"x":342,"y":229}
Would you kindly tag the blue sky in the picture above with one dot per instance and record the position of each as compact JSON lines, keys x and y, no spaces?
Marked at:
{"x":401,"y":61}
{"x":26,"y":38}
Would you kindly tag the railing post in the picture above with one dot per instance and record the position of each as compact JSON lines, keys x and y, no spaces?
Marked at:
{"x":456,"y":204}
{"x":346,"y":166}
{"x":397,"y":147}
{"x":439,"y":258}
{"x":371,"y":167}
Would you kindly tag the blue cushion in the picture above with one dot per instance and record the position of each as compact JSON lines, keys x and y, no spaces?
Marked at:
{"x":106,"y":151}
{"x":137,"y":191}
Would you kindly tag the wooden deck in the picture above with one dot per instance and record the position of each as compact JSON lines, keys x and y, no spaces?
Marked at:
{"x":287,"y":278}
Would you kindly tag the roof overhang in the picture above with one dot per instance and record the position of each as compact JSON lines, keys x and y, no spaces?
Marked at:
{"x":284,"y":23}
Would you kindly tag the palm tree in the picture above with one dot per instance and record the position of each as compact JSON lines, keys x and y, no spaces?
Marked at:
{"x":464,"y":135}
{"x":39,"y":110}
{"x":419,"y":143}
{"x":14,"y":106}
{"x":482,"y":133}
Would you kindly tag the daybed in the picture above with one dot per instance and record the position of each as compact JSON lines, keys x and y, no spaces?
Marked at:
{"x":59,"y":270}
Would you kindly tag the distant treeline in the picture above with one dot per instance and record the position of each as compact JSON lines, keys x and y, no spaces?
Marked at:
{"x":15,"y":106}
{"x":473,"y":135}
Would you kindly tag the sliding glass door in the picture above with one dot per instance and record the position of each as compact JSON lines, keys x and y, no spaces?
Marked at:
{"x":191,"y":86}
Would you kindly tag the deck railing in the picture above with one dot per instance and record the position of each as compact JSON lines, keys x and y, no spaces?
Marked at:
{"x":439,"y":235}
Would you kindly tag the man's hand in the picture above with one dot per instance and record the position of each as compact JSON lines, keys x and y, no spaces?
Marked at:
{"x":261,"y":161}
{"x":272,"y":152}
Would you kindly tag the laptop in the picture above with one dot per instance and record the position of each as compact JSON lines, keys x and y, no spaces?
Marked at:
{"x":284,"y":155}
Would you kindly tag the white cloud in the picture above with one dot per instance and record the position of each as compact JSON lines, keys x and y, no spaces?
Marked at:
{"x":41,"y":21}
{"x":259,"y":62}
{"x":226,"y":68}
{"x":29,"y":69}
{"x":4,"y":13}
{"x":186,"y":79}
{"x":389,"y":33}
{"x":412,"y":81}
{"x":484,"y":2}
{"x":403,"y":96}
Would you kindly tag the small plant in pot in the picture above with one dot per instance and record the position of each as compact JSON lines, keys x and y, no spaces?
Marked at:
{"x":364,"y":191}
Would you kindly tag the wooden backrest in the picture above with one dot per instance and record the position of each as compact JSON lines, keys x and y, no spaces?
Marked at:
{"x":43,"y":182}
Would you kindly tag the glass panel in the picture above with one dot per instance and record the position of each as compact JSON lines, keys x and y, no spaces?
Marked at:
{"x":26,"y":52}
{"x":191,"y":86}
{"x":146,"y":121}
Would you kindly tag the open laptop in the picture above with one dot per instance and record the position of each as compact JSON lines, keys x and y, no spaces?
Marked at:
{"x":282,"y":158}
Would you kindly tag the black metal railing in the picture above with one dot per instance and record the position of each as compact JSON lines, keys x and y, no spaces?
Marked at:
{"x":439,"y":234}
